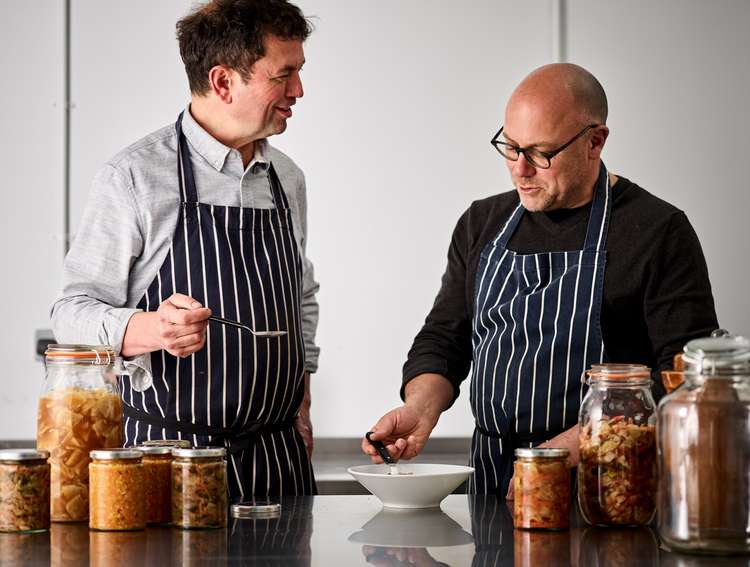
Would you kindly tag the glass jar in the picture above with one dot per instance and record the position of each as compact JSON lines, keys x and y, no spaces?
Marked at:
{"x":704,"y":450}
{"x":157,"y":483}
{"x":199,"y":488}
{"x":617,"y":441}
{"x":79,"y":411}
{"x":541,"y":489}
{"x":24,"y":490}
{"x":117,"y":490}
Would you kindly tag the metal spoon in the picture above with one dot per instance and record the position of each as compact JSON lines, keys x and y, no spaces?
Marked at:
{"x":267,"y":334}
{"x":384,"y":454}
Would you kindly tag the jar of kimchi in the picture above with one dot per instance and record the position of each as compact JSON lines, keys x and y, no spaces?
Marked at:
{"x":79,"y":411}
{"x":157,"y":481}
{"x":617,"y":439}
{"x":541,"y":489}
{"x":199,"y":488}
{"x":118,"y":495}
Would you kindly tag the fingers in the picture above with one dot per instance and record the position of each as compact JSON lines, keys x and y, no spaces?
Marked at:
{"x":181,"y":309}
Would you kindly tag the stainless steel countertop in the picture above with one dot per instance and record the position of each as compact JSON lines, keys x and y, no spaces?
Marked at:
{"x":356,"y":530}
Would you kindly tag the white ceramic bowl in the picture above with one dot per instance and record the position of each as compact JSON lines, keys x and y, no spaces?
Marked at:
{"x":425,"y":487}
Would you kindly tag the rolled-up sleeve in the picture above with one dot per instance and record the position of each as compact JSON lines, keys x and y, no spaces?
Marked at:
{"x":91,"y":307}
{"x":310,"y":287}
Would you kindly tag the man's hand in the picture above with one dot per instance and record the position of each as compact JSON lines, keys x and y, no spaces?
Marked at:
{"x":568,"y":439}
{"x":404,"y":432}
{"x":302,"y":422}
{"x":177,"y":326}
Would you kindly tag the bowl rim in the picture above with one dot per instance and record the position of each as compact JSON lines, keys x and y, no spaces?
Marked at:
{"x":456,"y":470}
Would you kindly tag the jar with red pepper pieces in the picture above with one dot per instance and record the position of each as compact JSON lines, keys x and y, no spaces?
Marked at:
{"x":617,"y":470}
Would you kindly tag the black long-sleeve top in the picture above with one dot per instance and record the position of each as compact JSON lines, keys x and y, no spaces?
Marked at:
{"x":657,"y":295}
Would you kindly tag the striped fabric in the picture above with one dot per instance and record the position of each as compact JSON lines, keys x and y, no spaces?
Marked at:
{"x":244,"y":264}
{"x":536,"y":329}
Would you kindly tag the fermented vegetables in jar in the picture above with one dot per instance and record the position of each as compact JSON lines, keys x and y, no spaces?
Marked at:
{"x":157,"y":483}
{"x":617,"y":478}
{"x":117,"y":490}
{"x":79,"y":411}
{"x":24,"y":490}
{"x":541,"y":489}
{"x":199,"y":488}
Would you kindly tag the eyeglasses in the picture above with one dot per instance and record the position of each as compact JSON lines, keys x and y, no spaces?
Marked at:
{"x":534,"y":156}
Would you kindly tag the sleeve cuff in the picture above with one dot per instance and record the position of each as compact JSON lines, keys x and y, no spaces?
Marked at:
{"x":139,"y":370}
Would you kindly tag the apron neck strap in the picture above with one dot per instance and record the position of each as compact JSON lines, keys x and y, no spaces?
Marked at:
{"x":188,"y":192}
{"x":277,"y":192}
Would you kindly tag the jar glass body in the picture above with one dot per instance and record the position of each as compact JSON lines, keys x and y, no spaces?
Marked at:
{"x":617,"y":441}
{"x":24,"y":495}
{"x":541,"y":493}
{"x":157,"y":474}
{"x":117,"y":494}
{"x":704,"y":465}
{"x":199,"y":492}
{"x":79,"y":411}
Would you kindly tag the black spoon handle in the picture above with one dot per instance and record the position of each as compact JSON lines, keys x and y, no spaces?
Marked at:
{"x":380,"y":448}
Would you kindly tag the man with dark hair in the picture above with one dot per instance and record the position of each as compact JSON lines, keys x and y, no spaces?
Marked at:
{"x":575,"y":267}
{"x":205,"y":217}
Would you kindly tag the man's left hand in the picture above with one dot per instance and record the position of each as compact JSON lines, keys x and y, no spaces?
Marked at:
{"x":568,"y":439}
{"x":303,"y":423}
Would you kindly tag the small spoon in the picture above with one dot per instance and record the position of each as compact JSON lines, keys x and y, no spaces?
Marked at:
{"x":384,"y":454}
{"x":267,"y":334}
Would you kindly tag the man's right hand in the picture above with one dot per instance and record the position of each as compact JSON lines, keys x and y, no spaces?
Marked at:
{"x":182,"y":323}
{"x":178,"y":326}
{"x":404,"y":432}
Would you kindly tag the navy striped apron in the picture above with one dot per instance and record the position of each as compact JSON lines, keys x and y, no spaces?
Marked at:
{"x":536,"y":329}
{"x":239,"y":391}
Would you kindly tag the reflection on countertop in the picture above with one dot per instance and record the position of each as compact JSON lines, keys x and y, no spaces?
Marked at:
{"x":356,"y":530}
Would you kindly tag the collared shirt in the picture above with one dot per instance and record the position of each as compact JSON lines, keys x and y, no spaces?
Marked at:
{"x":130,"y":219}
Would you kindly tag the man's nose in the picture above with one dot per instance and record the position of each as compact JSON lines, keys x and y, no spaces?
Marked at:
{"x":294,"y":87}
{"x":524,"y":168}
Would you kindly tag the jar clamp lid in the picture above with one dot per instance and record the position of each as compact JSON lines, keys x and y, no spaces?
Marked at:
{"x":23,"y":455}
{"x":542,"y":453}
{"x":80,"y":354}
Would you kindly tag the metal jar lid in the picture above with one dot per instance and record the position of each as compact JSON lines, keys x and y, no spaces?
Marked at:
{"x":728,"y":354}
{"x":154,"y":449}
{"x":115,"y":454}
{"x":199,"y":452}
{"x":256,"y":509}
{"x":184,"y":443}
{"x":24,"y":455}
{"x":80,"y":354}
{"x":542,"y":453}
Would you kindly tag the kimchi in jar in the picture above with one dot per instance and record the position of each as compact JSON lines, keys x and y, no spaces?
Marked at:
{"x":157,"y":485}
{"x":541,"y":489}
{"x":117,"y":490}
{"x":24,"y":491}
{"x":199,"y":488}
{"x":79,"y":411}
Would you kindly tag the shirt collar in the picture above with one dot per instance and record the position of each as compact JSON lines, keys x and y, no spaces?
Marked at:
{"x":213,"y":151}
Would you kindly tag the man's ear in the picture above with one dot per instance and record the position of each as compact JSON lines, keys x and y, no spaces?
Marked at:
{"x":597,"y":140}
{"x":220,"y":81}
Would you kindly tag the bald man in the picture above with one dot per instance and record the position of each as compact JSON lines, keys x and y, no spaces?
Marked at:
{"x":574,"y":267}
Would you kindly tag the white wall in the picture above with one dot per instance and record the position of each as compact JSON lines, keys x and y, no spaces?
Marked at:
{"x":401,"y":100}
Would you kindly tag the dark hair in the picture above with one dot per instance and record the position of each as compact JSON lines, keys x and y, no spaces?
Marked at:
{"x":232,"y":33}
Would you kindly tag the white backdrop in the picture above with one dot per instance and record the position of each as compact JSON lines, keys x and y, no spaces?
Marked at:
{"x":400,"y":101}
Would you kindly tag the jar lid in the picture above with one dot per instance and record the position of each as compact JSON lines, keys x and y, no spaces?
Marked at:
{"x":166,"y":443}
{"x":23,"y":455}
{"x":256,"y":509}
{"x":80,"y":354}
{"x":624,"y":373}
{"x":542,"y":453}
{"x":154,"y":449}
{"x":115,"y":454}
{"x":199,"y":452}
{"x":718,"y":354}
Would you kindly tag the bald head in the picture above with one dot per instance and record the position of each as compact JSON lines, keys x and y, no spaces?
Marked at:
{"x":564,"y":88}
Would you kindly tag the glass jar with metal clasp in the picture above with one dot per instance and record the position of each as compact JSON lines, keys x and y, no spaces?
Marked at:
{"x":704,"y":450}
{"x":79,"y":411}
{"x":617,"y":442}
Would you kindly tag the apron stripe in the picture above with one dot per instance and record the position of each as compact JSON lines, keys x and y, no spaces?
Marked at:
{"x":536,"y":323}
